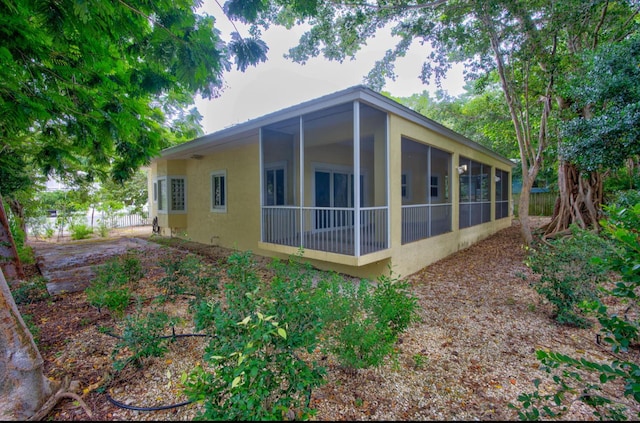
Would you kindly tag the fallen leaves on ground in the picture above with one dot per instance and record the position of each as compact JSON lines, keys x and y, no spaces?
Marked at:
{"x":471,"y":354}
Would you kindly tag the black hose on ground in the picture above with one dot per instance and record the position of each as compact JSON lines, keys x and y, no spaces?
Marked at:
{"x":136,"y":408}
{"x":160,"y":407}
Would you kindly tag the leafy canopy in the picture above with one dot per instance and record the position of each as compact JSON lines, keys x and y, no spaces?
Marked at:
{"x":94,"y":85}
{"x":606,"y":94}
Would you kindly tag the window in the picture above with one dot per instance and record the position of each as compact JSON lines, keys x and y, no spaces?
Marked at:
{"x":405,"y":186}
{"x":219,"y":191}
{"x":155,"y":192}
{"x":162,"y":195}
{"x":170,"y":193}
{"x":178,"y":197}
{"x":434,"y":187}
{"x":274,"y":186}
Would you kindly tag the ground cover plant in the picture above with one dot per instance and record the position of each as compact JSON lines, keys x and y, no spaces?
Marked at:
{"x":469,"y":352}
{"x":616,"y":309}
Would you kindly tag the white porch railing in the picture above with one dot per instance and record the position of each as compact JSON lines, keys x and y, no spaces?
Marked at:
{"x":328,"y":229}
{"x":425,"y":220}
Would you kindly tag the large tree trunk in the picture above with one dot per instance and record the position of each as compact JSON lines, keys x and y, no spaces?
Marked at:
{"x":23,"y":385}
{"x":9,"y":260}
{"x":18,"y":211}
{"x":579,"y":201}
{"x":523,"y":209}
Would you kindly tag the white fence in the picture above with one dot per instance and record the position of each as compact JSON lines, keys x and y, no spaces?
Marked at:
{"x":93,"y":220}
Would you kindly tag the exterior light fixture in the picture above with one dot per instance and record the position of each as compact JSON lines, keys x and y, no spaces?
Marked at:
{"x":462,"y":169}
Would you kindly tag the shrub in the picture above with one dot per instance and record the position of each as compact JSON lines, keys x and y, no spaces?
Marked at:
{"x":187,"y":275}
{"x":619,"y":330}
{"x":257,"y":377}
{"x":259,"y":328}
{"x":567,"y":277}
{"x":142,"y":337}
{"x":366,"y":320}
{"x":80,"y":231}
{"x":108,"y":289}
{"x":31,"y":291}
{"x":131,"y":265}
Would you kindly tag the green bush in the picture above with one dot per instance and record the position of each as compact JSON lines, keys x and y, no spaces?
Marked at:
{"x":259,"y":327}
{"x":108,"y":289}
{"x":31,"y":291}
{"x":365,"y":320}
{"x":257,"y":376}
{"x":187,"y":275}
{"x":131,"y":265}
{"x":80,"y":231}
{"x":566,"y":276}
{"x":142,"y":337}
{"x":618,"y":329}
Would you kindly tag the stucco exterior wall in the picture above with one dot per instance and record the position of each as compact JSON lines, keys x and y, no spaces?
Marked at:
{"x":239,"y":226}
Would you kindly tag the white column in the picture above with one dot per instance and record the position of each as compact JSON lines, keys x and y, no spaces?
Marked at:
{"x":356,"y":177}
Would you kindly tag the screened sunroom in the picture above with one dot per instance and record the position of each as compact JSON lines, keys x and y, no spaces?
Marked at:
{"x":353,"y":180}
{"x":309,"y":168}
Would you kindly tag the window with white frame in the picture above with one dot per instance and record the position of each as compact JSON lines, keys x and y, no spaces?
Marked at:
{"x":171,"y":194}
{"x":155,"y":192}
{"x":162,"y":195}
{"x":406,"y":192}
{"x":219,"y":191}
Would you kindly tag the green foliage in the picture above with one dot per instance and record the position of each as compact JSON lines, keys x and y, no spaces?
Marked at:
{"x":255,"y":377}
{"x":131,"y":266}
{"x":606,"y":83}
{"x":25,"y":252}
{"x":80,"y":231}
{"x":365,"y":321}
{"x":109,"y":287}
{"x":565,"y":275}
{"x":187,"y":275}
{"x":619,"y":329}
{"x":141,"y":338}
{"x":259,"y":327}
{"x":262,"y":326}
{"x":31,"y":291}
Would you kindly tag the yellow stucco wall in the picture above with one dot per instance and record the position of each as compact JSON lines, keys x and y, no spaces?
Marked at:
{"x":239,"y":226}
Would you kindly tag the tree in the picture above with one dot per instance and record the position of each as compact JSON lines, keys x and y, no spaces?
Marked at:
{"x":605,"y":98}
{"x":478,"y":114}
{"x":90,"y":85}
{"x":528,"y":45}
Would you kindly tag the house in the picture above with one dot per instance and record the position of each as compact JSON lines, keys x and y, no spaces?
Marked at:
{"x":357,"y":181}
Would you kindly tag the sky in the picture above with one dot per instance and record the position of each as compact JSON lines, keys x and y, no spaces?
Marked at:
{"x":279,"y":83}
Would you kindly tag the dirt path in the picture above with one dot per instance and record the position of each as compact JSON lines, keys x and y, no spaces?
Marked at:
{"x":68,"y":265}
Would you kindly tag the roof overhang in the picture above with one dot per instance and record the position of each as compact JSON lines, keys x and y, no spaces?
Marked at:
{"x":246,"y":133}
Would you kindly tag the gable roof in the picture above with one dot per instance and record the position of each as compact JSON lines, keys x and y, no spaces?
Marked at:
{"x":240,"y":133}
